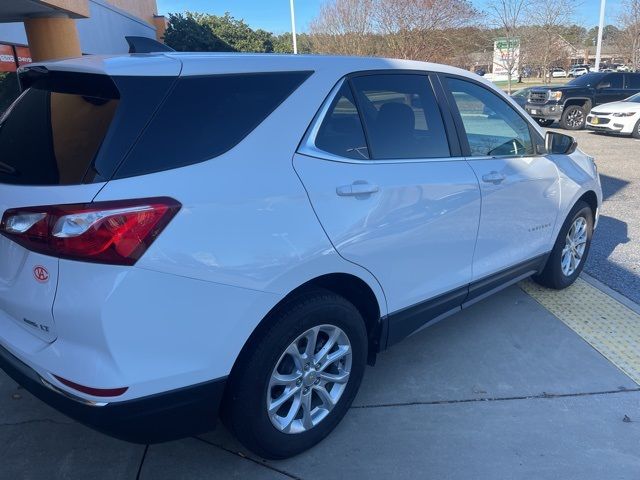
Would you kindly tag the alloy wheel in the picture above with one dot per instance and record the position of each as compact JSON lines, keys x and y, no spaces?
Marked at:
{"x":575,"y":245}
{"x":575,"y":118}
{"x":309,"y":379}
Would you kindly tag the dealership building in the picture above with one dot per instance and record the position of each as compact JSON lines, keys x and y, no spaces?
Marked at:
{"x":34,"y":30}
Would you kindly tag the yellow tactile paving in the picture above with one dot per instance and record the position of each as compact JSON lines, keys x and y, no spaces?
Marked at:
{"x":609,"y":326}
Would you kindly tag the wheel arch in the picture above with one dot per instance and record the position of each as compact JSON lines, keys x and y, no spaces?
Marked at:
{"x":591,"y":199}
{"x":347,"y":285}
{"x":580,"y":101}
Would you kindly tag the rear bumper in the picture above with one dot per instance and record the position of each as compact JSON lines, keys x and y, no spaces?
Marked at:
{"x":157,"y":418}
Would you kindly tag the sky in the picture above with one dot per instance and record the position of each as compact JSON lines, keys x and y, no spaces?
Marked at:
{"x":273,"y":15}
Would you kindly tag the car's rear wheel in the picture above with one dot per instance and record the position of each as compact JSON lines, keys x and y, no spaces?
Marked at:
{"x":636,"y":130}
{"x":573,"y":118}
{"x":298,"y":378}
{"x":570,"y":251}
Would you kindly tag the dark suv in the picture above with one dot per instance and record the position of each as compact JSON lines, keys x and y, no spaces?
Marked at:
{"x":570,"y":103}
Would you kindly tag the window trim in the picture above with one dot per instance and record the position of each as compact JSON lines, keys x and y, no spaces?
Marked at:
{"x":308,"y":147}
{"x":462,"y":133}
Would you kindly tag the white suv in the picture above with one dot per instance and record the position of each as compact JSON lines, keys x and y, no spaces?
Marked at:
{"x":183,"y":233}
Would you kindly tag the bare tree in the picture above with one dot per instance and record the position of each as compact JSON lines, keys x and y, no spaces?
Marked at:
{"x":507,"y":17}
{"x":628,"y":38}
{"x":550,"y":21}
{"x":344,"y":27}
{"x":421,"y":29}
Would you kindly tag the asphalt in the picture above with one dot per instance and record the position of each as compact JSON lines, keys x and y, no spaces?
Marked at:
{"x":501,"y":390}
{"x":615,"y":252}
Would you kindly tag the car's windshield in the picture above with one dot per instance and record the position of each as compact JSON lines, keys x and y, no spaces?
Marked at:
{"x":633,"y":98}
{"x":587,"y":80}
{"x":521,"y":93}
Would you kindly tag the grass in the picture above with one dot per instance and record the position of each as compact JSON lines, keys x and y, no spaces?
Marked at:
{"x":530,"y":82}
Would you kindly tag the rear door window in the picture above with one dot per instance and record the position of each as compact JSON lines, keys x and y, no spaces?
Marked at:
{"x":401,"y":116}
{"x":341,"y":131}
{"x":205,"y":116}
{"x":633,"y":81}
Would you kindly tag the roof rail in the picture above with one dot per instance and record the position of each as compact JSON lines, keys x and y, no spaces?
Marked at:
{"x":146,"y":45}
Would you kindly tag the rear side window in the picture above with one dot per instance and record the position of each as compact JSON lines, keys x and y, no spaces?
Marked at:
{"x":51,"y":138}
{"x":204,"y":117}
{"x":633,"y":81}
{"x":613,"y":80}
{"x":341,"y":131}
{"x":401,"y":116}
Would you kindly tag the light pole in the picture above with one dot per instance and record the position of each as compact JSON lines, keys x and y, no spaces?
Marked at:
{"x":600,"y":28}
{"x":293,"y":27}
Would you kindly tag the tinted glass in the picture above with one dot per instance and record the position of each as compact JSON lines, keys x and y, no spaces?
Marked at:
{"x":614,"y":80}
{"x":341,"y":131}
{"x":401,"y":117}
{"x":204,"y":117}
{"x":492,"y":126}
{"x":588,"y":80}
{"x":51,"y":138}
{"x":633,"y":81}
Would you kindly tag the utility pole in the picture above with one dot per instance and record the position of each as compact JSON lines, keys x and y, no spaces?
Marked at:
{"x":600,"y":29}
{"x":293,"y":27}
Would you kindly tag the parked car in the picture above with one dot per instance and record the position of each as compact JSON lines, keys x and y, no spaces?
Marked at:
{"x":557,"y":73}
{"x":578,"y":72}
{"x":187,"y":232}
{"x":480,"y":71}
{"x":520,"y":97}
{"x":617,"y":117}
{"x":570,"y":103}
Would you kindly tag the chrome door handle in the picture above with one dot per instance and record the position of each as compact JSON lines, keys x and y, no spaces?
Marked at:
{"x":494,"y":177}
{"x":357,"y":189}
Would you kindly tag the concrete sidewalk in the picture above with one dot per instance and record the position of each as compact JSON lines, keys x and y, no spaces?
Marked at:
{"x":501,"y":390}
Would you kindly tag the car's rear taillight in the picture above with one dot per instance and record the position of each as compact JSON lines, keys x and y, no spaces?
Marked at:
{"x":106,"y":232}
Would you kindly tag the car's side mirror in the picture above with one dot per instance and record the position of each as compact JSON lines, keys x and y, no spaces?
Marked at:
{"x":560,"y":144}
{"x":604,"y":85}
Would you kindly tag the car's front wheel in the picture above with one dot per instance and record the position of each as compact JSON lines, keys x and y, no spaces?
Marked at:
{"x":570,"y":251}
{"x":297,"y":379}
{"x":573,"y":118}
{"x":636,"y":130}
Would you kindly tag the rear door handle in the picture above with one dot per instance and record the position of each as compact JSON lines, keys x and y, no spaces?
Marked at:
{"x":494,"y":177}
{"x":357,"y":189}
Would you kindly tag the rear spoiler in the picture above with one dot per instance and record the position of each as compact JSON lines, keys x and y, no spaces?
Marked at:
{"x":146,"y":45}
{"x":78,"y":83}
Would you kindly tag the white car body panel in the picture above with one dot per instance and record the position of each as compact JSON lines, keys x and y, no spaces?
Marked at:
{"x":247,"y":235}
{"x":607,"y":111}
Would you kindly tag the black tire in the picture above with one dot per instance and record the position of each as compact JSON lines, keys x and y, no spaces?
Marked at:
{"x":573,"y":118}
{"x":636,"y":130}
{"x":245,"y":404}
{"x":552,"y":276}
{"x":544,"y":123}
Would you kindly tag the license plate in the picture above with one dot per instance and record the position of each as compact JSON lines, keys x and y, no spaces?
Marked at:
{"x":595,"y":120}
{"x":533,"y":112}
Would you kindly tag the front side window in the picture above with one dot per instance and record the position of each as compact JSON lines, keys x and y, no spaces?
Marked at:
{"x":401,"y":117}
{"x":611,"y":81}
{"x":492,"y":126}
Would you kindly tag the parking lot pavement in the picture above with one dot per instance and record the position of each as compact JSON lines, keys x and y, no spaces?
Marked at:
{"x":501,"y":390}
{"x":615,"y":252}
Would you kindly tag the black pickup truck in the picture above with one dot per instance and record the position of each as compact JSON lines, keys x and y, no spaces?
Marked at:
{"x":570,"y":103}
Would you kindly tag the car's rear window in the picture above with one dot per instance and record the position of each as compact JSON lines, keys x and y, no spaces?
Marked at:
{"x":205,"y":116}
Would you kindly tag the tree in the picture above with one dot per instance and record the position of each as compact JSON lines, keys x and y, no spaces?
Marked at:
{"x":344,"y":27}
{"x":507,"y":17}
{"x":628,"y":38}
{"x":186,"y":34}
{"x":548,"y":20}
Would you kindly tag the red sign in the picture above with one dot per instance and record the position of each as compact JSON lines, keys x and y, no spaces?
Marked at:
{"x":7,"y":59}
{"x":41,"y":274}
{"x":24,"y":55}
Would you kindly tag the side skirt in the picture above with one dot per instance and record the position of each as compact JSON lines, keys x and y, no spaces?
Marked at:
{"x":407,"y":321}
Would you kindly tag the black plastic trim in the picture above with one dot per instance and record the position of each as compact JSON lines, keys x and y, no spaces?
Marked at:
{"x":157,"y":418}
{"x":404,"y":322}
